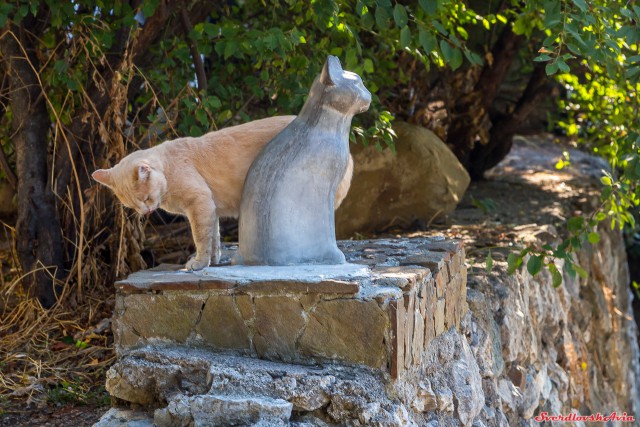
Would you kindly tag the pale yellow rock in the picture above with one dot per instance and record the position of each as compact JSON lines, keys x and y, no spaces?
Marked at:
{"x":424,"y":180}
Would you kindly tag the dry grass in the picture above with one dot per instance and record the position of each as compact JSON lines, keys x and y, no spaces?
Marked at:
{"x":54,"y":356}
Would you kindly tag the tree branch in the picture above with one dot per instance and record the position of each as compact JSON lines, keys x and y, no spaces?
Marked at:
{"x":197,"y":59}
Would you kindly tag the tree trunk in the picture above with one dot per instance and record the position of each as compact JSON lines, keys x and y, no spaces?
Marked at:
{"x":470,"y":125}
{"x":39,"y":239}
{"x":486,"y":156}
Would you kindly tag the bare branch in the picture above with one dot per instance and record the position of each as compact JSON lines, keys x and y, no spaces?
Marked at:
{"x":197,"y":59}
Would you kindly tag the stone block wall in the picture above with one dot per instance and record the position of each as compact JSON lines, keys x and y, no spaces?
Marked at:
{"x":381,"y":310}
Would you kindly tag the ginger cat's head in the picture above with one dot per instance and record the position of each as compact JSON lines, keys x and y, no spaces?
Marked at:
{"x":135,"y":182}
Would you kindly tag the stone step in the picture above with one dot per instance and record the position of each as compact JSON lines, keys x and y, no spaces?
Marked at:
{"x":197,"y":387}
{"x":381,"y":310}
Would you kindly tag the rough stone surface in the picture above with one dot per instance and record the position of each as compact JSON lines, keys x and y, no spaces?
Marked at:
{"x":120,"y":417}
{"x":223,"y":410}
{"x":480,"y":373}
{"x":421,"y":181}
{"x":369,"y":311}
{"x":258,"y":390}
{"x":222,"y":324}
{"x":351,"y":330}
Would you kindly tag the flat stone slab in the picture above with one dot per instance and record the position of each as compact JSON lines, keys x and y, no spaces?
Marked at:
{"x":340,"y":278}
{"x":380,"y":310}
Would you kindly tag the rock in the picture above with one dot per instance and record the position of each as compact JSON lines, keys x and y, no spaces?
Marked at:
{"x":223,"y":410}
{"x":346,"y":329}
{"x":118,"y":417}
{"x":280,"y":323}
{"x":454,"y":378}
{"x":179,"y":315}
{"x":509,"y":395}
{"x":423,"y":180}
{"x":231,"y":410}
{"x":143,"y":383}
{"x":426,"y":400}
{"x":444,"y":398}
{"x":221,"y":323}
{"x":530,"y":398}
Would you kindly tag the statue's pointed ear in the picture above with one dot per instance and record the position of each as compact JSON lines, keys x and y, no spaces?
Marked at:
{"x":103,"y":176}
{"x":331,"y":71}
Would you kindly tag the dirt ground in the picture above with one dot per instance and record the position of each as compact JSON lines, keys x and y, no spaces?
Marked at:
{"x":523,"y":191}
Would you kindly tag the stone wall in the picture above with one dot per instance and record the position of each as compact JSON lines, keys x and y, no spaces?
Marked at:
{"x":518,"y":346}
{"x":382,"y":310}
{"x":570,"y":349}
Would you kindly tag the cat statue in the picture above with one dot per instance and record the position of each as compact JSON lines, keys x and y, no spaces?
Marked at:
{"x":200,"y":178}
{"x":287,"y":206}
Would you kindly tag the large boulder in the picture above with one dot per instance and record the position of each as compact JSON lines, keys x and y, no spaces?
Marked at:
{"x":423,"y":180}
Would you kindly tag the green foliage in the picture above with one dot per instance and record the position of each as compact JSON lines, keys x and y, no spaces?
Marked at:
{"x":260,"y":58}
{"x":489,"y":262}
{"x":592,"y":49}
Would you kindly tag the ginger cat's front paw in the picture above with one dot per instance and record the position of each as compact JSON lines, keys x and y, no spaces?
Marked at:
{"x":195,"y":264}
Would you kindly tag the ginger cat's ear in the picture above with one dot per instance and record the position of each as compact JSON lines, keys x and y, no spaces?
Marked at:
{"x":144,"y":170}
{"x":103,"y":176}
{"x":331,"y":71}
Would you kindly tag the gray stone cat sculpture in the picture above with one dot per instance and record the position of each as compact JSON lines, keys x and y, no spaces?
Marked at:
{"x":287,"y":207}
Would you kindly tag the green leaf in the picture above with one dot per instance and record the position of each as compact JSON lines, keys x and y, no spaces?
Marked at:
{"x":534,"y":265}
{"x":230,"y":48}
{"x":551,"y":68}
{"x":456,"y":59}
{"x":473,"y":57}
{"x":201,"y":115}
{"x":400,"y":15}
{"x":429,"y":6}
{"x":513,"y":263}
{"x":593,"y":237}
{"x":489,"y":262}
{"x":368,"y":65}
{"x":556,"y":276}
{"x":542,"y":58}
{"x":405,"y":37}
{"x":452,"y":55}
{"x":563,"y":66}
{"x":581,"y":4}
{"x":427,"y":41}
{"x":575,"y":224}
{"x":605,"y":180}
{"x":382,"y":17}
{"x":581,"y":271}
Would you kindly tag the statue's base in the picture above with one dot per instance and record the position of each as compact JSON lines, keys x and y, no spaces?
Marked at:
{"x":380,"y":310}
{"x":345,"y":344}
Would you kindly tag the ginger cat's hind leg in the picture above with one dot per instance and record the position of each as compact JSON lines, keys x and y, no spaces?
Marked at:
{"x":343,"y":187}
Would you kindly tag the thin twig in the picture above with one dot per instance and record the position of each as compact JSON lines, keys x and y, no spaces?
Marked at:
{"x":197,"y":60}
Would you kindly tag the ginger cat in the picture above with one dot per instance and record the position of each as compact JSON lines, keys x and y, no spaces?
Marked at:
{"x":201,"y":178}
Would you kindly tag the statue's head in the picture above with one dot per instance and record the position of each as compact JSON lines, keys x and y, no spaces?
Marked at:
{"x":341,"y":90}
